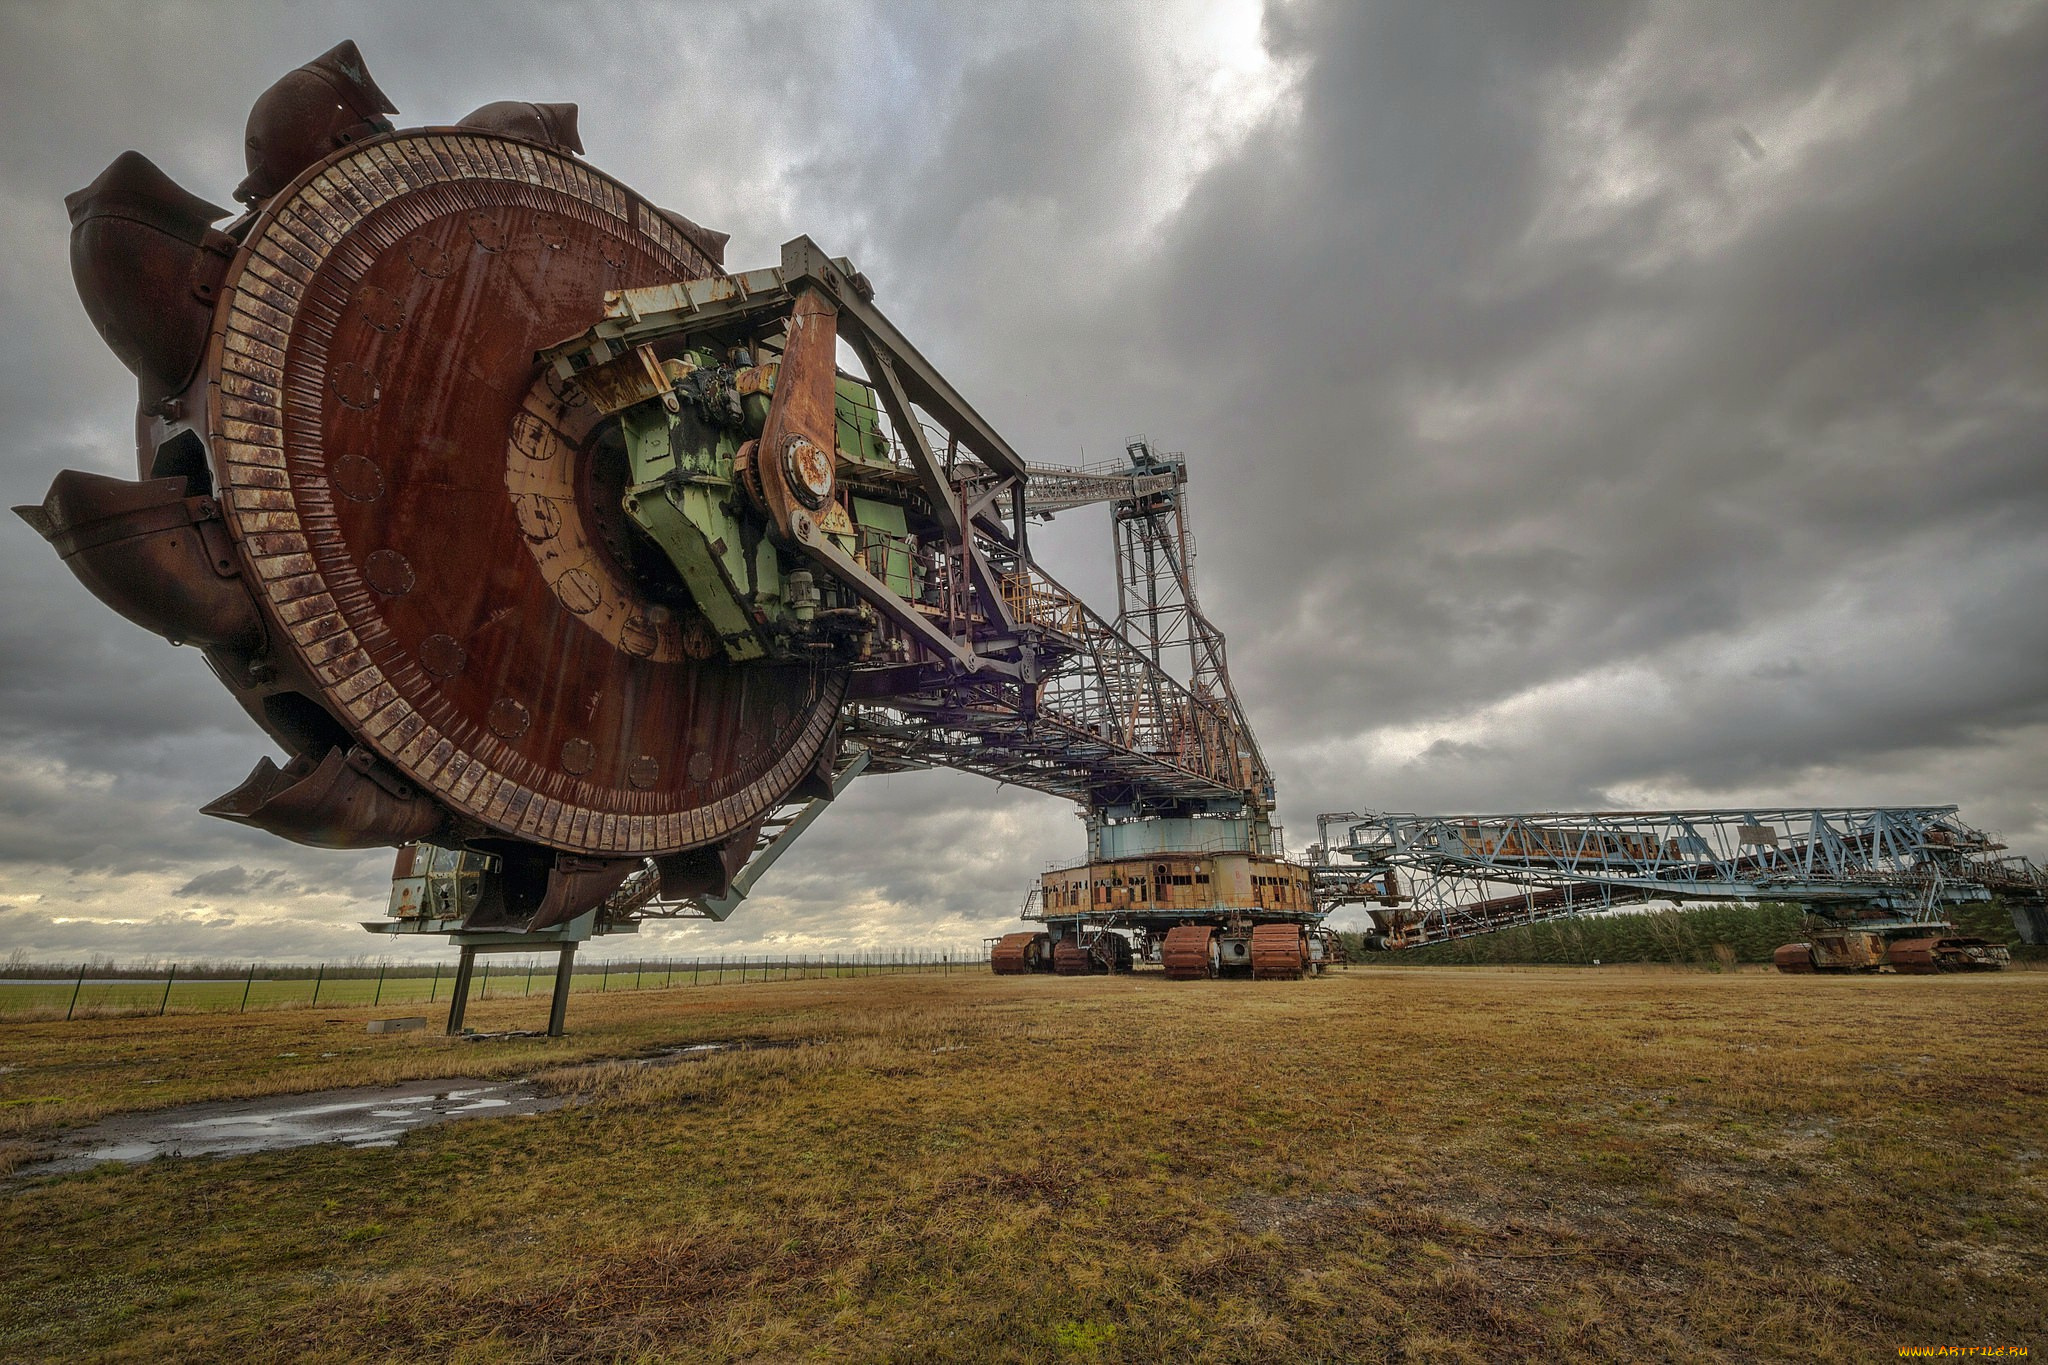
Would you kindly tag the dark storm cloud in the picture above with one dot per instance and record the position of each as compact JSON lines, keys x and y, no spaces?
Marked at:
{"x":1587,"y":404}
{"x":235,"y":881}
{"x":1521,"y":445}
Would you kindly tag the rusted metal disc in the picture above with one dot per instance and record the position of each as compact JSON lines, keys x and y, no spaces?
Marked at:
{"x":432,"y":526}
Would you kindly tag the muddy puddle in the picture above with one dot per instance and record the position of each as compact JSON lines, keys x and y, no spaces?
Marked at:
{"x":360,"y":1116}
{"x":367,"y":1116}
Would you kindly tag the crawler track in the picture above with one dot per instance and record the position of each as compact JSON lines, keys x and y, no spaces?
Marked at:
{"x":1279,"y":952}
{"x":1018,"y":954}
{"x":1189,"y":952}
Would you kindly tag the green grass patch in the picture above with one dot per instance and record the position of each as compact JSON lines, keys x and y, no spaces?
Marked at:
{"x":1412,"y":1164}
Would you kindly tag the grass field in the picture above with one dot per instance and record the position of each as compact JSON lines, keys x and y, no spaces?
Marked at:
{"x":1622,"y":1164}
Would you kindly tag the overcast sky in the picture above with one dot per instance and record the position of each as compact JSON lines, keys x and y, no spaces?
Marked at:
{"x":1587,"y":405}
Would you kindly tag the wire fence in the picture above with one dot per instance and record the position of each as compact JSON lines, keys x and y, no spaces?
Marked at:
{"x":98,"y":990}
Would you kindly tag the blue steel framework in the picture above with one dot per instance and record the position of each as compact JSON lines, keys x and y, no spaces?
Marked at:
{"x":1434,"y":877}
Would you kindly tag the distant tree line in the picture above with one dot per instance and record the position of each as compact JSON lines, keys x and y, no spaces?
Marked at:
{"x":1706,"y":936}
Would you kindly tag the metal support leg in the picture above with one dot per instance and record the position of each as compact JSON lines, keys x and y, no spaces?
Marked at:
{"x":460,"y":997}
{"x":558,"y":1009}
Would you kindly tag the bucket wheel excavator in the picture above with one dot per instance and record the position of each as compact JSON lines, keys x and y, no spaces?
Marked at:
{"x":552,"y":552}
{"x":584,"y":571}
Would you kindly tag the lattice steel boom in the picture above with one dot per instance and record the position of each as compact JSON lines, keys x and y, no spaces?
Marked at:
{"x":1446,"y":876}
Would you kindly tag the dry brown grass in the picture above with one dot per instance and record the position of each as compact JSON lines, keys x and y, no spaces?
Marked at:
{"x":1423,"y":1165}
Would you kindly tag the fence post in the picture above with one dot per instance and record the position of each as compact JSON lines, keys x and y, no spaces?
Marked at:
{"x":696,"y":964}
{"x":318,"y":977}
{"x":638,"y":967}
{"x":604,"y":983}
{"x":247,"y":986}
{"x":378,"y":998}
{"x":486,"y":994}
{"x":74,"y":993}
{"x":668,"y":972}
{"x":165,"y":1003}
{"x":719,"y":980}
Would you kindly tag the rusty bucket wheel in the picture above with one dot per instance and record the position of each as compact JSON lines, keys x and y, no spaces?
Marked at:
{"x":375,"y":416}
{"x":1190,"y":952}
{"x":1279,"y":952}
{"x":1018,"y":954}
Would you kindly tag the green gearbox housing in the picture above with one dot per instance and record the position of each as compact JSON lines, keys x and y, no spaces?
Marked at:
{"x":683,"y":489}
